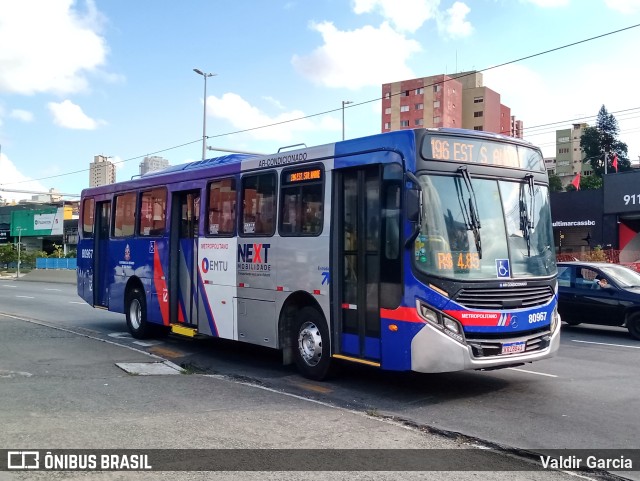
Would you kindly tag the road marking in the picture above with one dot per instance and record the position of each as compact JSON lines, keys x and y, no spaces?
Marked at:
{"x":311,"y":387}
{"x":8,"y":285}
{"x":166,"y":352}
{"x":532,"y":372}
{"x":147,"y":343}
{"x":607,"y":344}
{"x":26,"y":297}
{"x":120,"y":335}
{"x":76,"y":302}
{"x":47,"y":289}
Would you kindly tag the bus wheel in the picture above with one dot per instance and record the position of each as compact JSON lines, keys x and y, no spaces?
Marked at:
{"x":136,"y":313}
{"x":633,"y":324}
{"x":311,"y":344}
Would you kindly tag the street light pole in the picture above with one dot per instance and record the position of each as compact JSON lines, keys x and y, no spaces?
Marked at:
{"x":204,"y":115}
{"x":20,"y":229}
{"x":344,"y":102}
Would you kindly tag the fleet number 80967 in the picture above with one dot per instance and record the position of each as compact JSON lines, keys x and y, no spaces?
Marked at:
{"x":537,"y":317}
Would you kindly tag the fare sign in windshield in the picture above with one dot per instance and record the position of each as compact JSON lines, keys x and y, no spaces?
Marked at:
{"x":481,"y":151}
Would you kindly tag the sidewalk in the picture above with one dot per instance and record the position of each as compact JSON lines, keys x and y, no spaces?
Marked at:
{"x":60,"y":390}
{"x":65,"y":276}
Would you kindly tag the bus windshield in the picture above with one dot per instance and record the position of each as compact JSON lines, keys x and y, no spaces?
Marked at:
{"x":484,"y":229}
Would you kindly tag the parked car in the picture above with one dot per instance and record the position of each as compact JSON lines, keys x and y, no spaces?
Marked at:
{"x":599,"y":293}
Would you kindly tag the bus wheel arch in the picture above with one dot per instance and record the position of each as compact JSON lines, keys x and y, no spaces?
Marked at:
{"x":304,"y":336}
{"x":287,"y":321}
{"x":135,"y":308}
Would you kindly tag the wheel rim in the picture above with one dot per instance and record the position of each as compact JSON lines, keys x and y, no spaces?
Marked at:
{"x":135,"y":314}
{"x":310,"y":343}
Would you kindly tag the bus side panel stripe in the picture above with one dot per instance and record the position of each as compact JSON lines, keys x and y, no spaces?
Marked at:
{"x":161,"y":288}
{"x":406,"y":314}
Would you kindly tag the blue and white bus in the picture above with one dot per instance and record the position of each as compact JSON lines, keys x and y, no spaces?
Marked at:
{"x":428,"y":250}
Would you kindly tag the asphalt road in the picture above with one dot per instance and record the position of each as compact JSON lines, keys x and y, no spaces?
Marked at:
{"x":585,"y":397}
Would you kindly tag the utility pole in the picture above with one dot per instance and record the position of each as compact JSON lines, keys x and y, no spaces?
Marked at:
{"x":204,"y":115}
{"x":19,"y":229}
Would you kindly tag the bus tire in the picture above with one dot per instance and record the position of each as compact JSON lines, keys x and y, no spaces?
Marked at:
{"x":136,"y":313}
{"x":311,"y":344}
{"x":633,"y":325}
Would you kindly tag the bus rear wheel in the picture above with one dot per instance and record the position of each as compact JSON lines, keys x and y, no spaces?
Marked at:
{"x":136,"y":313}
{"x":311,"y":344}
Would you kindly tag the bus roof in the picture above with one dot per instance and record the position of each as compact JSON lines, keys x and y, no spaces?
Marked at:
{"x":234,"y":162}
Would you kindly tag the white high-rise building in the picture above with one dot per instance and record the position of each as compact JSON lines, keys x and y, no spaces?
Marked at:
{"x":101,"y":171}
{"x":152,"y":163}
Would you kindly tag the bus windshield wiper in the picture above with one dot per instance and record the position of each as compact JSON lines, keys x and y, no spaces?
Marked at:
{"x":527,"y":211}
{"x":469,"y":208}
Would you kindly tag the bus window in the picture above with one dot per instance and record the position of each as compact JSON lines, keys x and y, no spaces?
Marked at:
{"x":301,"y":202}
{"x":258,"y":204}
{"x":125,"y":219}
{"x":87,"y":218}
{"x":221,"y":216}
{"x":153,"y":205}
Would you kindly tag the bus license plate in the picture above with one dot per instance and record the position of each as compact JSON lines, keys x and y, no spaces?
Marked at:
{"x":513,"y":347}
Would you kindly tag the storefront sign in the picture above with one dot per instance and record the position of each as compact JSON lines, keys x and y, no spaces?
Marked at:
{"x":622,"y":193}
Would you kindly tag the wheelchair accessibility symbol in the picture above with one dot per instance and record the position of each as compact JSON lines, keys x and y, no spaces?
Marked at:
{"x":502,"y":268}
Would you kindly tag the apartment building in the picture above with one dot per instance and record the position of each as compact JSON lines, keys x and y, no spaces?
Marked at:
{"x":458,"y":100}
{"x":101,"y":171}
{"x":569,"y":156}
{"x":152,"y":163}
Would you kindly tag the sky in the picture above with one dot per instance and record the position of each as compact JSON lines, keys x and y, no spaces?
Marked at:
{"x":115,"y":77}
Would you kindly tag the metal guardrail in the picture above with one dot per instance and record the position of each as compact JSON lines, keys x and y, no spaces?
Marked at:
{"x":56,"y":263}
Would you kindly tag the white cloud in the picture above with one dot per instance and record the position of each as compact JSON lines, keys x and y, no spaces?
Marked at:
{"x":453,"y":23}
{"x":405,"y":15}
{"x":367,"y":56}
{"x":22,"y":115}
{"x":539,"y":99}
{"x":10,"y":178}
{"x":69,"y":115}
{"x":48,"y":46}
{"x":550,"y":3}
{"x":275,"y":102}
{"x":242,"y":115}
{"x":624,"y":6}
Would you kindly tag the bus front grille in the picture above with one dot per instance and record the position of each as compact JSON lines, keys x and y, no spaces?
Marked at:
{"x":504,"y":298}
{"x":492,"y":347}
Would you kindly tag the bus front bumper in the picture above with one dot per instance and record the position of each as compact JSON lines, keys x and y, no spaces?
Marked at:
{"x":433,"y":351}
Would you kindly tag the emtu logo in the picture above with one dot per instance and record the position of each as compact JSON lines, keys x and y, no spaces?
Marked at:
{"x":253,"y":253}
{"x":208,"y":265}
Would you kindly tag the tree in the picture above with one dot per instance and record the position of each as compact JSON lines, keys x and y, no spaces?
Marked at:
{"x":555,"y":184}
{"x":590,"y":182}
{"x":587,"y":182}
{"x":601,"y":142}
{"x":8,"y":254}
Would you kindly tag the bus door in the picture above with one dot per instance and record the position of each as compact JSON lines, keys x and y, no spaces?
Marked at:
{"x":357,"y":262}
{"x":185,"y":215}
{"x":101,"y":274}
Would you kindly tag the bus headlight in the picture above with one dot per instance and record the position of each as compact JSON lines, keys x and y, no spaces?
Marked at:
{"x":555,"y":319}
{"x":429,"y":315}
{"x":452,"y":325}
{"x":445,"y":324}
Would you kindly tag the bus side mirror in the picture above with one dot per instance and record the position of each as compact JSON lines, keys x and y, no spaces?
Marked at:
{"x":412,"y":205}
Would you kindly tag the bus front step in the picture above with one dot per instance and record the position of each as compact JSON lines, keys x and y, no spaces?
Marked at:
{"x":184,"y":331}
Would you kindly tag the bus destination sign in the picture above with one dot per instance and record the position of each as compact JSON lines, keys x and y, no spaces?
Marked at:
{"x":482,"y":151}
{"x":303,"y":175}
